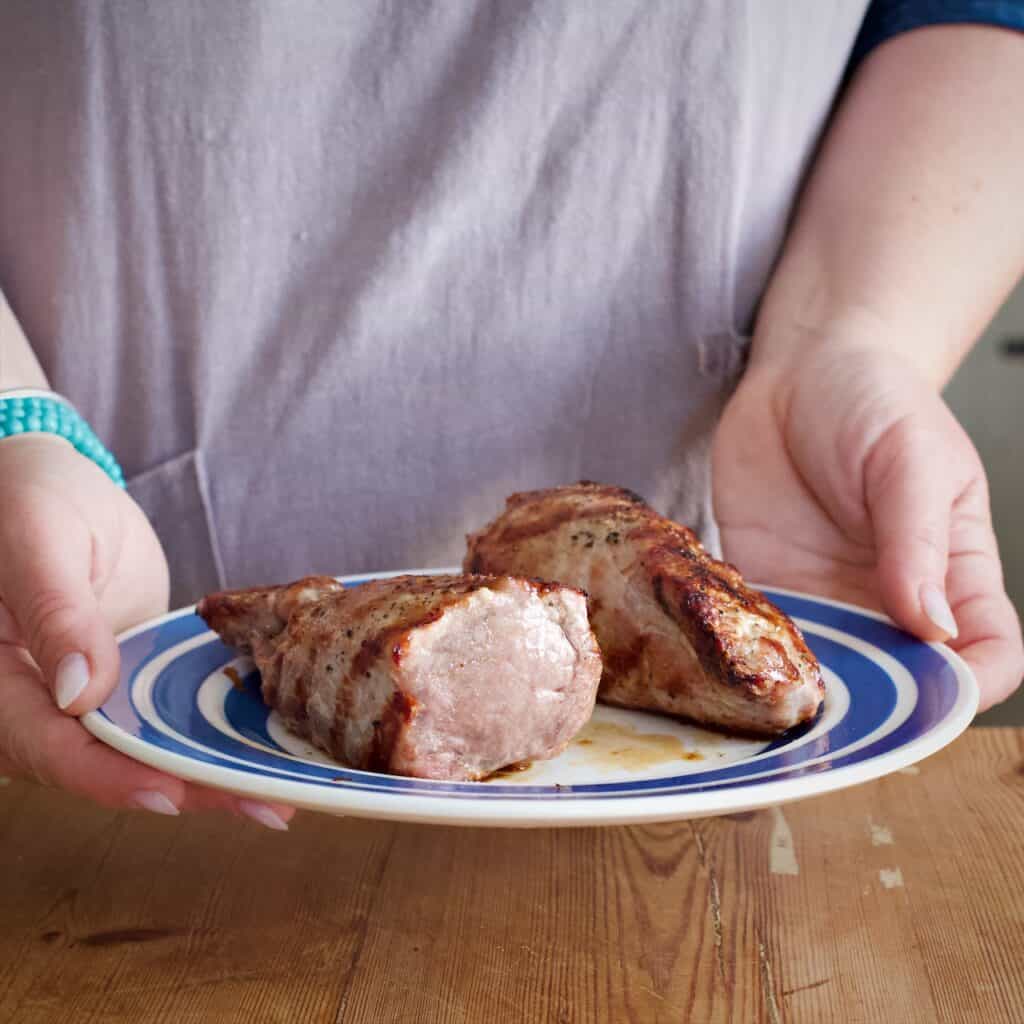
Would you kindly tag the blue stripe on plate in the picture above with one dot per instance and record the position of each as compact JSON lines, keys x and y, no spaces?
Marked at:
{"x":872,"y":699}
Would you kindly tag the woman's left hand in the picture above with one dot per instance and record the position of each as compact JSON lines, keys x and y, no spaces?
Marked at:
{"x":843,"y":473}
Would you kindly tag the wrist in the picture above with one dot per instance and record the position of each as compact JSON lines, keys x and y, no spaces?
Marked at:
{"x":32,"y":412}
{"x":41,"y":443}
{"x":785,"y":346}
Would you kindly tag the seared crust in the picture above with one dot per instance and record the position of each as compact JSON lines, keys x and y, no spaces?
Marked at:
{"x":241,"y":617}
{"x":680,"y":631}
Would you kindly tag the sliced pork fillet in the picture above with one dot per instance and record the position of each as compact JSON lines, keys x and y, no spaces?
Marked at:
{"x":437,"y":677}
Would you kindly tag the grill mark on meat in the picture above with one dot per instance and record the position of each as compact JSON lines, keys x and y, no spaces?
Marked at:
{"x":369,"y":652}
{"x":544,"y":587}
{"x":619,"y":492}
{"x":296,"y":709}
{"x":297,"y":703}
{"x":269,"y":680}
{"x":554,"y":512}
{"x":393,"y":639}
{"x":698,"y":607}
{"x":673,"y":537}
{"x":621,"y":662}
{"x":658,"y":584}
{"x":705,"y":644}
{"x":386,"y":729}
{"x":514,"y":533}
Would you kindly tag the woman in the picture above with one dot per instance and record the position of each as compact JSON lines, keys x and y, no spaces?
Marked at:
{"x":331,"y":283}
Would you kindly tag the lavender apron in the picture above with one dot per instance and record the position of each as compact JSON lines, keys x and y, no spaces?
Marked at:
{"x":333,"y":279}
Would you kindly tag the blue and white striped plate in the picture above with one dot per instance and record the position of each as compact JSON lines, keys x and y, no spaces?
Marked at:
{"x":189,"y":705}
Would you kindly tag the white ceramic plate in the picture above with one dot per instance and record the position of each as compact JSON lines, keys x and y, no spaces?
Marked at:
{"x":189,"y":705}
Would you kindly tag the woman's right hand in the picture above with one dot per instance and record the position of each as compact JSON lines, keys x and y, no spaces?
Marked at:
{"x":79,"y":561}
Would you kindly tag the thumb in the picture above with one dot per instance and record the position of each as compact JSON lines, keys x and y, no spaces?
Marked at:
{"x":45,"y":583}
{"x":909,"y":491}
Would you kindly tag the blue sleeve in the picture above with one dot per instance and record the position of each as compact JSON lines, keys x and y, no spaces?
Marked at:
{"x":887,"y":18}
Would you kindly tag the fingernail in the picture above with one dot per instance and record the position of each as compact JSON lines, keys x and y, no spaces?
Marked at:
{"x":263,"y":814}
{"x":155,"y":801}
{"x":72,"y":679}
{"x":936,"y":607}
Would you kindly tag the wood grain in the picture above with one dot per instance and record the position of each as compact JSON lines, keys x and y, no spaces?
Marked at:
{"x":907,"y":905}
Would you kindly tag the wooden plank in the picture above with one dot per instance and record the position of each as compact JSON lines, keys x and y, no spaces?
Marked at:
{"x":900,"y":900}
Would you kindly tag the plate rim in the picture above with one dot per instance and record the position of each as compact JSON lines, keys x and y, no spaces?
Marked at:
{"x":511,"y":812}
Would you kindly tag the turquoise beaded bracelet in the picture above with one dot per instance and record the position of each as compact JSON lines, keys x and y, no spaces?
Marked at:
{"x":28,"y":411}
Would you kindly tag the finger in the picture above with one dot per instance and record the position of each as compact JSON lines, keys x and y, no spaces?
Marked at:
{"x":909,"y":493}
{"x":56,"y":750}
{"x":990,"y":632}
{"x":993,"y":650}
{"x":45,"y":569}
{"x":39,"y":742}
{"x":270,"y":815}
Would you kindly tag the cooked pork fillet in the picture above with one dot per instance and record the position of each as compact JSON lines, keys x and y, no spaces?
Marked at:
{"x":680,"y":632}
{"x":439,"y":677}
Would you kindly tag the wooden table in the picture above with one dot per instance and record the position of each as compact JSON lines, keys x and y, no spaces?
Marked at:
{"x":898,"y":901}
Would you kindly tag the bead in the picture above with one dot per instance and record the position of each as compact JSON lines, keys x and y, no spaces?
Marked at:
{"x":54,"y":416}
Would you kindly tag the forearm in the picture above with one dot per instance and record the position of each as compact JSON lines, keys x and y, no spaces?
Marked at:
{"x":910,"y":229}
{"x":19,"y":367}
